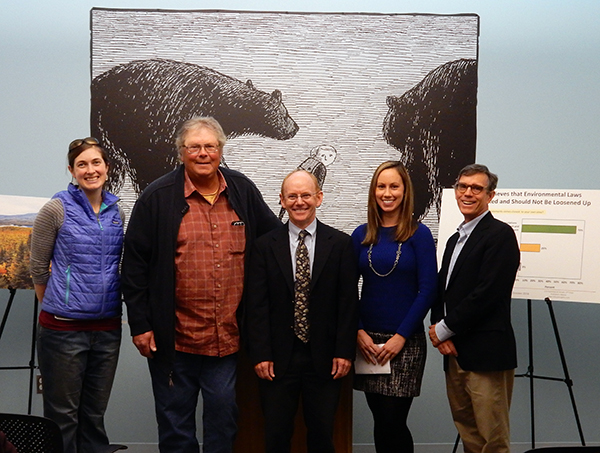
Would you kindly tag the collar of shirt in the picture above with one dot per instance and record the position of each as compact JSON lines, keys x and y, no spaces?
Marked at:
{"x":189,"y":188}
{"x":465,"y":229}
{"x":309,"y":240}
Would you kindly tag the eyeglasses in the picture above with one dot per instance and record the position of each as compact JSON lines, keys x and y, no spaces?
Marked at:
{"x":80,"y":141}
{"x":462,"y":188}
{"x":194,"y":150}
{"x":294,"y":196}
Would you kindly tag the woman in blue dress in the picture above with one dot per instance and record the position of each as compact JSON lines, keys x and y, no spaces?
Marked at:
{"x":399,"y":276}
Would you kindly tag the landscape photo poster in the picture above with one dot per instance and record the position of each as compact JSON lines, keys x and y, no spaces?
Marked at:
{"x":334,"y":93}
{"x":16,"y":222}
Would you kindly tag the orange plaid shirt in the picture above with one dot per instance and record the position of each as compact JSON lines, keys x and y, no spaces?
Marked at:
{"x":209,"y":264}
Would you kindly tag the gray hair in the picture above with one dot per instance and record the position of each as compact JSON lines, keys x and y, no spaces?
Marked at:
{"x":200,"y":122}
{"x":473,"y":169}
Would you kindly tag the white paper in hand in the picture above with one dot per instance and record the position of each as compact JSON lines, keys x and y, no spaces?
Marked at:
{"x":361,"y":366}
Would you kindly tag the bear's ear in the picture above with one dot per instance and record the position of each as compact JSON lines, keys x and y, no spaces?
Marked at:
{"x":276,"y":95}
{"x":391,"y":100}
{"x":249,"y":83}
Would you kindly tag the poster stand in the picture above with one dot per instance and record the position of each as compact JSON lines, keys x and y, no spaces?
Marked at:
{"x":532,"y":376}
{"x":31,"y":366}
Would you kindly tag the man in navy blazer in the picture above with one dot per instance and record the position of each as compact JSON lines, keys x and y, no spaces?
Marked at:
{"x":471,"y":318}
{"x":290,"y":367}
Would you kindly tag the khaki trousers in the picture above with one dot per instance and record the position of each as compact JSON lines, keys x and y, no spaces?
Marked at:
{"x":480,"y":405}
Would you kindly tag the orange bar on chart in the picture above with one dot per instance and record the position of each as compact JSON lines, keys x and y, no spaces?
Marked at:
{"x":531,"y":247}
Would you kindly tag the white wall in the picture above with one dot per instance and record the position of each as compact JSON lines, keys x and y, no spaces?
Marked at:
{"x":538,"y":127}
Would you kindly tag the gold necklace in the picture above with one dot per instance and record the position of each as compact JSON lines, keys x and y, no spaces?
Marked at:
{"x":398,"y":252}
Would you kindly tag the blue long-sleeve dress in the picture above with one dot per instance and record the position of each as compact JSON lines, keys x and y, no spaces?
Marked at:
{"x":397,"y":303}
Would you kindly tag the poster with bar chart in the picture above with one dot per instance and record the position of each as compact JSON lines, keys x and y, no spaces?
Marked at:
{"x":559,"y":237}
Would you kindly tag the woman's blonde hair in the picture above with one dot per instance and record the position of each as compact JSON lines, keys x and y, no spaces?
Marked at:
{"x":406,"y":223}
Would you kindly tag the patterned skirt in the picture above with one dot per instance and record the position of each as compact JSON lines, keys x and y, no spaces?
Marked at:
{"x":406,"y":369}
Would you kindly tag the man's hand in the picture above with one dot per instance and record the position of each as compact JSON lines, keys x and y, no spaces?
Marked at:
{"x":447,"y":348}
{"x":340,"y":368}
{"x":145,"y":343}
{"x":264,"y":370}
{"x":435,"y":341}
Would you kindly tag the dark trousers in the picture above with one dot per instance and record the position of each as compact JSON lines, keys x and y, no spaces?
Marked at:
{"x":280,"y":397}
{"x":390,"y":414}
{"x":78,"y":368}
{"x":176,"y":398}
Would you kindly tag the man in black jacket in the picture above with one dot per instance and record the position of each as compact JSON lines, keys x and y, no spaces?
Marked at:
{"x":302,"y":318}
{"x":183,"y":278}
{"x":471,"y":317}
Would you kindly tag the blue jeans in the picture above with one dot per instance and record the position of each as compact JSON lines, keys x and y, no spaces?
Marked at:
{"x":78,"y":369}
{"x":176,"y":398}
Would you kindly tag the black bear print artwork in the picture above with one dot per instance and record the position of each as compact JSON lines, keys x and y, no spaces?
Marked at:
{"x":334,"y":94}
{"x":138,"y":106}
{"x":433,"y":126}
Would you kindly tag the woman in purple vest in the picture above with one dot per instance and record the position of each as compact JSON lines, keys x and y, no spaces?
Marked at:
{"x":75,"y":253}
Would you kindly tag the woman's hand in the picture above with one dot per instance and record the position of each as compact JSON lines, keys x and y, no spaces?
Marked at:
{"x":368,"y":349}
{"x":390,"y":349}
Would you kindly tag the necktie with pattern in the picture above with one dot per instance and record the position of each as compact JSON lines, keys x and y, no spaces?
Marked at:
{"x":301,"y":289}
